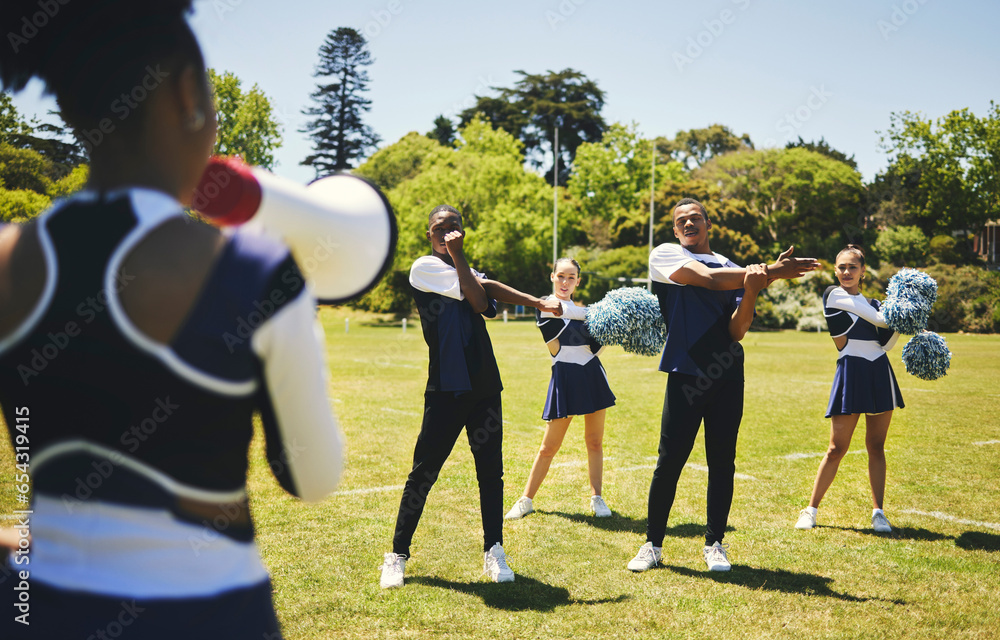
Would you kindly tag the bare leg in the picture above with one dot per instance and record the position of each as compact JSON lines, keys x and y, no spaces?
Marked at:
{"x":593,"y":435}
{"x":876,"y":430}
{"x":555,"y":431}
{"x":840,"y":439}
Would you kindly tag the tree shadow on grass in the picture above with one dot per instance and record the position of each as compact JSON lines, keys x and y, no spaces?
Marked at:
{"x":978,"y":541}
{"x":525,"y":594}
{"x":775,"y":580}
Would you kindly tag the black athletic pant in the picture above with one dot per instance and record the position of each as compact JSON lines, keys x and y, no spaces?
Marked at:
{"x":444,"y":416}
{"x":688,"y":400}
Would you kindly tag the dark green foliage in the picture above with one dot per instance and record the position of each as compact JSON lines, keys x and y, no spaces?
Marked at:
{"x":443,"y":131}
{"x":902,"y":246}
{"x":536,"y":105}
{"x":247,"y":126}
{"x":824,"y":147}
{"x":695,"y":147}
{"x":340,"y":138}
{"x":611,"y":269}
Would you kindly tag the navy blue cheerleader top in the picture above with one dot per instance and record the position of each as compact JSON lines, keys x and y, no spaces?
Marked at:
{"x":856,"y":317}
{"x":698,"y":340}
{"x":460,"y":354}
{"x":139,"y":450}
{"x":570,"y":329}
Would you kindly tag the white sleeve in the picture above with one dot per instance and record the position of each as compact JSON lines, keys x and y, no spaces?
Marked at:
{"x":840,"y":299}
{"x":291,"y":346}
{"x":573,"y":311}
{"x":664,"y":260}
{"x":433,"y":275}
{"x":570,"y":311}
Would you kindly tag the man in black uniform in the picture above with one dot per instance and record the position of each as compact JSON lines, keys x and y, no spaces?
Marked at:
{"x":463,"y":388}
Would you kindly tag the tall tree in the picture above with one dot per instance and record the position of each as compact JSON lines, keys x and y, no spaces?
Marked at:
{"x":537,"y":105}
{"x":339,"y":136}
{"x":611,"y":180}
{"x":54,"y":142}
{"x":695,"y":147}
{"x":247,"y":125}
{"x":823,"y":147}
{"x":443,"y":131}
{"x":797,"y":196}
{"x":949,"y":169}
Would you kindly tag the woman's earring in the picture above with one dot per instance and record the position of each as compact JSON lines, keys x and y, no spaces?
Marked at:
{"x":196,"y":121}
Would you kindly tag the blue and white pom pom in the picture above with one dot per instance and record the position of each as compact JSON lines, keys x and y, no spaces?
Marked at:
{"x":628,"y":317}
{"x":926,"y":356}
{"x":909,"y":301}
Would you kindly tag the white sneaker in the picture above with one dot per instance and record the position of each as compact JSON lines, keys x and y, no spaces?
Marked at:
{"x":807,"y":519}
{"x":495,"y":565}
{"x":392,"y":571}
{"x":520,"y":509}
{"x":715,"y":557}
{"x":880,"y":523}
{"x":647,"y":558}
{"x":599,"y":507}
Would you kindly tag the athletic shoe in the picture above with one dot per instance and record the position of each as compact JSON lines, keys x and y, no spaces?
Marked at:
{"x":647,"y":558}
{"x":599,"y":507}
{"x":807,"y":520}
{"x":392,"y":571}
{"x":880,"y":523}
{"x":495,"y":565}
{"x":715,"y":557}
{"x":520,"y":509}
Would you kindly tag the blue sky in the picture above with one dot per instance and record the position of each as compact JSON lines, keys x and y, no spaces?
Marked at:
{"x":774,"y":70}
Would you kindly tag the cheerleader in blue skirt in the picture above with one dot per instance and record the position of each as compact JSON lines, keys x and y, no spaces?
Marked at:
{"x":578,"y":387}
{"x":863,"y":383}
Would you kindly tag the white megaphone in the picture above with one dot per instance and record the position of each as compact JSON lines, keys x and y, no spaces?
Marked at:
{"x":340,"y":229}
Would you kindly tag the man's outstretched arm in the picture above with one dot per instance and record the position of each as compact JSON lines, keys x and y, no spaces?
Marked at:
{"x":505,"y":293}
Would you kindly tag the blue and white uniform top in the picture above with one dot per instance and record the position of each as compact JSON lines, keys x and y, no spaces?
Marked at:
{"x":863,"y":381}
{"x":460,"y":354}
{"x":139,"y":449}
{"x":578,"y":385}
{"x":576,"y":345}
{"x":698,"y":340}
{"x":869,"y":339}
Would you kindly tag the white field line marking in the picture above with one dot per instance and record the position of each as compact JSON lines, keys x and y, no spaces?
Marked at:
{"x":945,"y":516}
{"x":636,"y":468}
{"x":570,"y":463}
{"x":986,"y":442}
{"x":400,"y":411}
{"x":738,"y":476}
{"x":802,"y":456}
{"x":386,"y":364}
{"x":354,"y":492}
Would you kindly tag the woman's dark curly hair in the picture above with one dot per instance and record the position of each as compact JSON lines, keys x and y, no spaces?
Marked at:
{"x":95,"y":54}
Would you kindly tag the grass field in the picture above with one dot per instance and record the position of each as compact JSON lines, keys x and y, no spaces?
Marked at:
{"x":936,"y":576}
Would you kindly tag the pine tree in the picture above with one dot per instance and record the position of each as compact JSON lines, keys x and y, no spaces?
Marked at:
{"x":339,"y":136}
{"x":443,"y":131}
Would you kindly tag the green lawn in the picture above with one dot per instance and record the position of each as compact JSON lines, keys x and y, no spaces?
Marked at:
{"x":935,"y":577}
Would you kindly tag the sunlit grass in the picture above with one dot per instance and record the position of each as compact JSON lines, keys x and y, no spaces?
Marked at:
{"x":932,"y":578}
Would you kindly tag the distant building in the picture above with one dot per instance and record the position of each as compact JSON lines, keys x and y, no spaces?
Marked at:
{"x":985,"y":243}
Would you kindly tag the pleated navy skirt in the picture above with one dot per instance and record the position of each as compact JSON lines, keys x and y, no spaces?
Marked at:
{"x":577,"y":389}
{"x":863,"y":386}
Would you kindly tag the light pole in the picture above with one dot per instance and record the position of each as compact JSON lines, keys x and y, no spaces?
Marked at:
{"x":652,"y":192}
{"x":555,"y":199}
